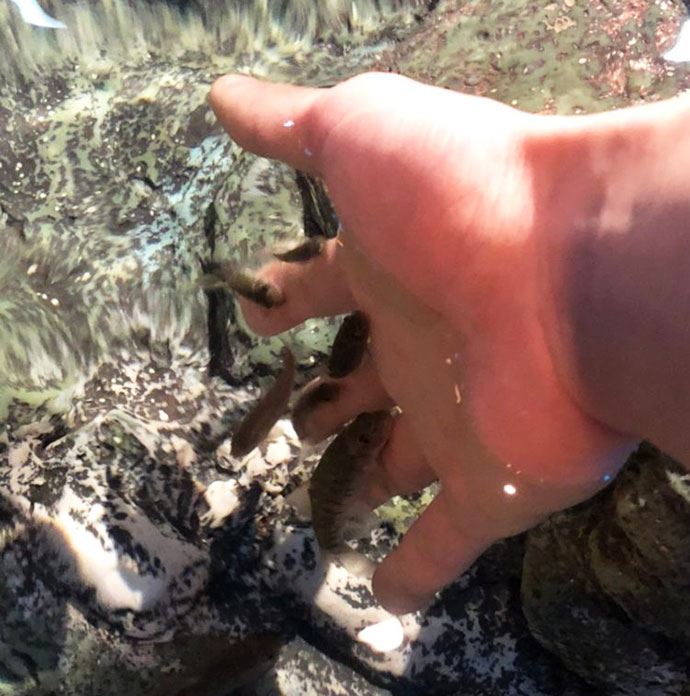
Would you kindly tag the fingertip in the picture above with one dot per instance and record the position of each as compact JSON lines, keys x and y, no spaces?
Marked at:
{"x":313,"y":289}
{"x":267,"y":118}
{"x":223,"y":94}
{"x":392,"y":597}
{"x":225,"y":85}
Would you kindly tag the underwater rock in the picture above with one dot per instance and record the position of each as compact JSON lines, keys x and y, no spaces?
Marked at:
{"x":552,"y":57}
{"x":473,"y":640}
{"x":218,"y":666}
{"x":605,"y":585}
{"x":116,"y":369}
{"x":304,"y":670}
{"x":641,"y":556}
{"x":107,"y":559}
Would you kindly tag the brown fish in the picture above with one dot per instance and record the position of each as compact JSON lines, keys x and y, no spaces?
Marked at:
{"x":231,"y":276}
{"x":310,"y":398}
{"x":304,"y":252}
{"x":319,"y":217}
{"x":256,"y":425}
{"x":349,"y":344}
{"x":339,"y":476}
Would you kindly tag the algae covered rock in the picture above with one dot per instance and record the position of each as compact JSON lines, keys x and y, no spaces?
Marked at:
{"x":641,"y":558}
{"x":550,"y":57}
{"x":472,"y":640}
{"x":605,"y":585}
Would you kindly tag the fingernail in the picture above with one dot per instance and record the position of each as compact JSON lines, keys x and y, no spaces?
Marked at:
{"x":227,"y":83}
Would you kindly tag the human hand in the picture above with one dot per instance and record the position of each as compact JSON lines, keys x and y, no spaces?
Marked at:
{"x":435,"y":192}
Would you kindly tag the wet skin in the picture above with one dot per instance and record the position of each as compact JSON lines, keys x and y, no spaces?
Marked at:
{"x":312,"y":396}
{"x":441,"y":253}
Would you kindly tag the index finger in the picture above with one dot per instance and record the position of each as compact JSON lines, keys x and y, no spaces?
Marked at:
{"x":270,"y":119}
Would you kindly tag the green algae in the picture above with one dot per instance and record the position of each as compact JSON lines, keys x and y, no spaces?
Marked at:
{"x":564,"y":57}
{"x":401,"y":511}
{"x":114,"y":156}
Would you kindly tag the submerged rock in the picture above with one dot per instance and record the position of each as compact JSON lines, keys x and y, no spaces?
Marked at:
{"x":605,"y":586}
{"x":552,"y":57}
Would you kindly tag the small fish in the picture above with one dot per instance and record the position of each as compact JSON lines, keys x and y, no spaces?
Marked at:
{"x":229,"y":275}
{"x":302,"y":253}
{"x":349,"y":344}
{"x":319,"y":217}
{"x":339,"y":476}
{"x":256,"y":425}
{"x":310,"y":398}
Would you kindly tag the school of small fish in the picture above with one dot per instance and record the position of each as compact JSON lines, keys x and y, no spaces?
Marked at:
{"x":336,"y":485}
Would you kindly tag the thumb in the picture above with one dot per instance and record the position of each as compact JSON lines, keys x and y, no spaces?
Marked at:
{"x":433,"y":553}
{"x":270,"y":119}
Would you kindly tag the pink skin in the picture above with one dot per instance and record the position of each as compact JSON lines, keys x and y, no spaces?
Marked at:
{"x":438,"y":196}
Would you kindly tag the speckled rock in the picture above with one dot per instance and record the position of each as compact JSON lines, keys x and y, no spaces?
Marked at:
{"x":302,"y":670}
{"x":126,"y":542}
{"x":472,"y":640}
{"x":551,"y":57}
{"x":605,"y":585}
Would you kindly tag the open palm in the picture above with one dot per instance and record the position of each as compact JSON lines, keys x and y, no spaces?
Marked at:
{"x":435,"y":191}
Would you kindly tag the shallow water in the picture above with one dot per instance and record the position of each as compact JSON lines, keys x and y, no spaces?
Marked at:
{"x":110,"y":163}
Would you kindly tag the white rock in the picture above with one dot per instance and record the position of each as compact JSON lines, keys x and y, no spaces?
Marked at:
{"x":32,"y":13}
{"x":278,"y":452}
{"x":383,"y":636}
{"x":222,"y":500}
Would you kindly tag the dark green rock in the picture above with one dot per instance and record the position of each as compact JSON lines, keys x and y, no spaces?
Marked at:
{"x":593,"y":594}
{"x":641,"y":557}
